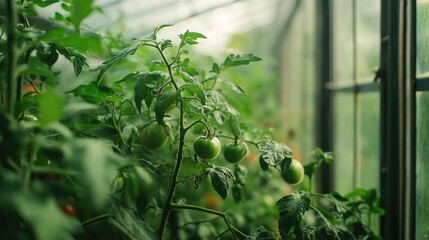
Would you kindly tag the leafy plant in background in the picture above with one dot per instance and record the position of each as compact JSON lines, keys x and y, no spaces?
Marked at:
{"x":125,"y":152}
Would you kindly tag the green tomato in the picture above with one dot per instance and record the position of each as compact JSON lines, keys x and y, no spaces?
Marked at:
{"x":235,"y":153}
{"x":154,"y":135}
{"x":207,"y":148}
{"x":294,"y":174}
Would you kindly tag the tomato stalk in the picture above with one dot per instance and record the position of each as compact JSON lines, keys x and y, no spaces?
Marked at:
{"x":11,"y":84}
{"x":173,"y":180}
{"x":168,"y":204}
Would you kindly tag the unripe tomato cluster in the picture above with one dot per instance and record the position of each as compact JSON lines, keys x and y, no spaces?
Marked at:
{"x":154,"y":136}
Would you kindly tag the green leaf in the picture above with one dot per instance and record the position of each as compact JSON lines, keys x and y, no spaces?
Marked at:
{"x":116,"y":57}
{"x":310,"y":168}
{"x":156,"y":30}
{"x":45,"y":3}
{"x":166,"y":44}
{"x":130,"y":77}
{"x":81,"y":43}
{"x":50,"y":106}
{"x":234,"y":125}
{"x":54,"y":33}
{"x":39,"y":70}
{"x":292,"y":209}
{"x":327,"y":230}
{"x":264,"y":165}
{"x":190,"y":38}
{"x":144,"y":88}
{"x":47,"y":220}
{"x":234,"y":87}
{"x":81,"y":10}
{"x":164,"y":101}
{"x":97,"y":164}
{"x":92,"y":93}
{"x":35,"y":208}
{"x":215,"y":68}
{"x":219,"y":177}
{"x":240,"y":174}
{"x":78,"y":60}
{"x":219,"y":116}
{"x":273,"y":152}
{"x":239,"y":59}
{"x":194,"y":90}
{"x":131,"y":223}
{"x":236,"y":193}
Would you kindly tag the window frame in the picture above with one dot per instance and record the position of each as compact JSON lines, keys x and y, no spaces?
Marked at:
{"x":395,"y":118}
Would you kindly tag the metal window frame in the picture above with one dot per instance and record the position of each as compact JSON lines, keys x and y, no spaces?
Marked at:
{"x":393,"y":111}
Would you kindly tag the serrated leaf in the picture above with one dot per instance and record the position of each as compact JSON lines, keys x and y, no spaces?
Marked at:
{"x":235,"y":88}
{"x":190,"y":38}
{"x":292,"y":209}
{"x":219,"y":116}
{"x":71,"y":54}
{"x":131,"y":223}
{"x":144,"y":87}
{"x":92,"y":93}
{"x":166,"y":44}
{"x":219,"y":177}
{"x":195,"y":90}
{"x":116,"y":57}
{"x":273,"y":152}
{"x":79,"y":62}
{"x":164,"y":101}
{"x":239,"y":59}
{"x":327,"y":230}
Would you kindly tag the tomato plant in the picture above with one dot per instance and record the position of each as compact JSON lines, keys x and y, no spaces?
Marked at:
{"x":95,"y":145}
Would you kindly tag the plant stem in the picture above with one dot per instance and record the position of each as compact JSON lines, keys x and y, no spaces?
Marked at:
{"x":96,"y":219}
{"x":211,"y":211}
{"x":173,"y":180}
{"x":12,"y":57}
{"x":168,"y":67}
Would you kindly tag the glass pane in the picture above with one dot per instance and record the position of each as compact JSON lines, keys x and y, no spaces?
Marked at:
{"x":343,"y":142}
{"x":343,"y":40}
{"x":422,"y":166}
{"x":369,"y":138}
{"x":369,"y":145}
{"x":298,"y":84}
{"x":368,"y":38}
{"x":422,"y":35}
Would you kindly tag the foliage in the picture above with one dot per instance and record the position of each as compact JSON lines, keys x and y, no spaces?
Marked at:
{"x":81,"y":147}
